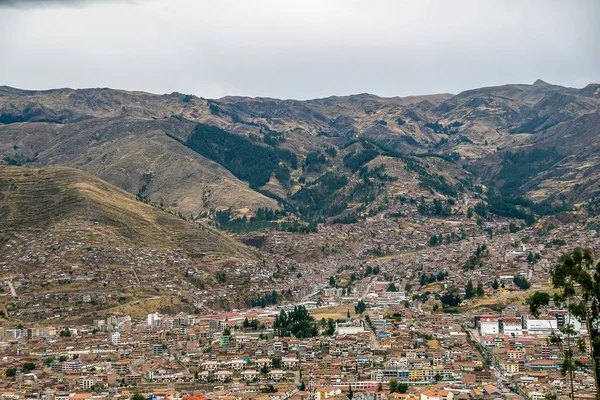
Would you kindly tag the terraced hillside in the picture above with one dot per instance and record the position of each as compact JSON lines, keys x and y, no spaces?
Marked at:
{"x":65,"y":233}
{"x":37,"y":199}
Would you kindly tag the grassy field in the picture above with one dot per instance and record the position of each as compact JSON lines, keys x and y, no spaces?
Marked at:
{"x":337,"y":312}
{"x":506,"y":297}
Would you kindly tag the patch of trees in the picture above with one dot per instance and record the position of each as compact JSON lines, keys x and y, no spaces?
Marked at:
{"x":19,"y":159}
{"x":329,"y":326}
{"x":221,"y":277}
{"x":398,"y":387}
{"x":273,"y":138}
{"x":436,"y":240}
{"x":187,"y":98}
{"x":265,"y":218}
{"x":533,"y":258}
{"x":314,"y":161}
{"x":521,"y":282}
{"x":475,"y":260}
{"x":298,"y":323}
{"x":470,"y":290}
{"x":448,"y":129}
{"x":450,"y":157}
{"x":31,"y":114}
{"x":247,"y":161}
{"x":520,"y":166}
{"x":331,"y":151}
{"x":267,"y":299}
{"x":360,"y":307}
{"x":593,"y":206}
{"x":349,"y":218}
{"x":316,"y":199}
{"x":213,"y":107}
{"x":425,"y":279}
{"x":353,"y":161}
{"x":377,"y":172}
{"x":371,"y":271}
{"x":437,"y":207}
{"x":436,"y":183}
{"x":450,"y":298}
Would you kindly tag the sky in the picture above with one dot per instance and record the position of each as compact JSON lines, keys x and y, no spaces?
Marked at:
{"x":297,"y":49}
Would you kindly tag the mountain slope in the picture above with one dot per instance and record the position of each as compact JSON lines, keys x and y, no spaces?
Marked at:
{"x":144,"y":143}
{"x":65,"y":235}
{"x":32,"y":199}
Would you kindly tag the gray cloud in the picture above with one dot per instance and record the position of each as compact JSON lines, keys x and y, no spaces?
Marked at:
{"x":299,"y":49}
{"x":46,"y":3}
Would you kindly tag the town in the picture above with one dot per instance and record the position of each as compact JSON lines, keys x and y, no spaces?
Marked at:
{"x":386,"y":327}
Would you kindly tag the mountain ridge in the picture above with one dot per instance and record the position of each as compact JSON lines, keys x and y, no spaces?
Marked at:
{"x":118,"y":134}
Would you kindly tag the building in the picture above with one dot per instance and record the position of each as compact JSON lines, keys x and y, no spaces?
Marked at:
{"x":512,"y":326}
{"x":541,"y":325}
{"x":488,"y":326}
{"x":158,"y":350}
{"x":153,"y":319}
{"x":115,"y":338}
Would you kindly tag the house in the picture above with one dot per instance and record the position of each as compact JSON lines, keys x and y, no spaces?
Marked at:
{"x":276,"y":375}
{"x":492,"y":390}
{"x":249,"y":375}
{"x":432,"y":394}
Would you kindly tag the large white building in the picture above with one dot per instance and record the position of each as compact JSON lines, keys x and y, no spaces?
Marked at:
{"x":153,"y":319}
{"x":540,"y":326}
{"x":512,"y":326}
{"x":115,"y":338}
{"x":489,"y":326}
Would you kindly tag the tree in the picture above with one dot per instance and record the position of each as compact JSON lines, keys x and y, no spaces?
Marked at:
{"x":276,"y":362}
{"x":331,"y":281}
{"x":578,"y":284}
{"x":269,"y":389}
{"x":393,"y":386}
{"x":495,"y":284}
{"x":450,"y":299}
{"x":437,"y":377}
{"x":392,"y":287}
{"x":402,"y":387}
{"x":65,"y":333}
{"x":521,"y":282}
{"x":479,"y":290}
{"x":11,"y":372}
{"x":407,"y":287}
{"x":469,"y":290}
{"x":360,"y":307}
{"x":28,"y":366}
{"x":348,"y":314}
{"x":137,"y":396}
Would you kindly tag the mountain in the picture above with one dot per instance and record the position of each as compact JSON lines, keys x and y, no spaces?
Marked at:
{"x":65,"y":233}
{"x":198,"y":155}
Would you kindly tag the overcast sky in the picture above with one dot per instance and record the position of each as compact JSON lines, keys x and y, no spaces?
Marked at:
{"x":297,"y":49}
